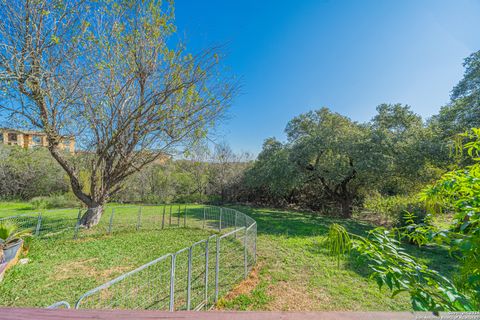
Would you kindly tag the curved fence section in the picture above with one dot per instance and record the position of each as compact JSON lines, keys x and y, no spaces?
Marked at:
{"x":193,"y":278}
{"x":60,"y":305}
{"x":146,"y":287}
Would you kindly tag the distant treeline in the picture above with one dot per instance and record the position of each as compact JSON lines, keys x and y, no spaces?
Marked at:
{"x":328,"y":163}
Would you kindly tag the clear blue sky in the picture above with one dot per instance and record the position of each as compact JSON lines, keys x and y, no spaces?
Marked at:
{"x":350,"y":56}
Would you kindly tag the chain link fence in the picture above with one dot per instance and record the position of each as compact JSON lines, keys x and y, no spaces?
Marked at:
{"x":193,"y":278}
{"x":48,"y":222}
{"x":27,"y":221}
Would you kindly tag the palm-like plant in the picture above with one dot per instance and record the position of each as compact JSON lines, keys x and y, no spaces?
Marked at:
{"x":10,"y":233}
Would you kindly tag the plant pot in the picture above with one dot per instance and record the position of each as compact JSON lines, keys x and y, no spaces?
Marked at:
{"x":11,"y":250}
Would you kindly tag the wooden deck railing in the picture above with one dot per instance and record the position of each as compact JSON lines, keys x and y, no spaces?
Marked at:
{"x":41,"y":314}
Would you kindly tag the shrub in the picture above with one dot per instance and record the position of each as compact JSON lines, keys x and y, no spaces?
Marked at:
{"x":191,"y":198}
{"x":55,"y":201}
{"x":394,"y":208}
{"x":25,"y":174}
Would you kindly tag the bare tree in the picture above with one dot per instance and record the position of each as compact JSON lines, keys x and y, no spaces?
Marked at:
{"x":198,"y":167}
{"x":227,"y":168}
{"x":106,"y":72}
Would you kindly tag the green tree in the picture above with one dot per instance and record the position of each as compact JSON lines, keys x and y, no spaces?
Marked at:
{"x":463,"y":112}
{"x":405,"y":150}
{"x":457,"y":191}
{"x":273,"y":179}
{"x":333,"y":152}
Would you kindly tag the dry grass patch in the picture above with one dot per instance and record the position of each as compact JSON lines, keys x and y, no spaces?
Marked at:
{"x":71,"y":269}
{"x":247,"y":285}
{"x":288,"y":296}
{"x":86,"y":268}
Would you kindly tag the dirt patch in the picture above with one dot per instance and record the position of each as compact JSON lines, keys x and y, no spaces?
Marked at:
{"x":294,"y":297}
{"x":114,"y":272}
{"x":86,"y":268}
{"x":71,"y":269}
{"x":246,"y":285}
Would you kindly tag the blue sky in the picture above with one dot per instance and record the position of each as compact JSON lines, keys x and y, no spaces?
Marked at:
{"x":350,"y":56}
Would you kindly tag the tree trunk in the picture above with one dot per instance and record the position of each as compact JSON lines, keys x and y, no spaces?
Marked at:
{"x":346,"y":208}
{"x":92,"y":216}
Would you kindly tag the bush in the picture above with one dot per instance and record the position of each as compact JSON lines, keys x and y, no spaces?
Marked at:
{"x":55,"y":201}
{"x":393,"y":208}
{"x":191,"y":198}
{"x":25,"y":174}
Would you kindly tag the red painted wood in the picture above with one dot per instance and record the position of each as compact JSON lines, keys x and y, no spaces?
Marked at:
{"x":42,"y":314}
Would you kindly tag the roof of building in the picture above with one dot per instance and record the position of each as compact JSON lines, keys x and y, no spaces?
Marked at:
{"x":31,"y":132}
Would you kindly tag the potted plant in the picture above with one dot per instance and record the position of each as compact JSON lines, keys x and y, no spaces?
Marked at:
{"x":11,"y":241}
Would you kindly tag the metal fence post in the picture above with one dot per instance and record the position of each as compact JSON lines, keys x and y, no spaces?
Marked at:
{"x":204,"y":217}
{"x":139,"y":218}
{"x":255,"y":245}
{"x":217,"y":269}
{"x":172,"y":283}
{"x":178,"y":217}
{"x":185,"y":217}
{"x":39,"y":224}
{"x":245,"y":258}
{"x":189,"y":278}
{"x":206,"y":272}
{"x":220,"y":222}
{"x":163,"y":217}
{"x":235,"y":223}
{"x":110,"y":224}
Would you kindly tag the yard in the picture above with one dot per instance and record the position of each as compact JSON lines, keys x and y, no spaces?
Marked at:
{"x":293,"y":272}
{"x":64,"y":269}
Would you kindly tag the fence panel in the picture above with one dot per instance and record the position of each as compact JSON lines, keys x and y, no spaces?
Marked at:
{"x":193,"y":278}
{"x":147,"y":287}
{"x":197,"y":276}
{"x":151,"y":217}
{"x":27,"y":221}
{"x":230,"y":262}
{"x":59,"y":305}
{"x":181,"y":279}
{"x":58,"y":221}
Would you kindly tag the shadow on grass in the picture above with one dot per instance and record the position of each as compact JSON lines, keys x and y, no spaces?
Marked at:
{"x":297,"y":224}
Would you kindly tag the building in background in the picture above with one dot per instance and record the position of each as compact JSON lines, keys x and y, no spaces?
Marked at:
{"x":32,"y":139}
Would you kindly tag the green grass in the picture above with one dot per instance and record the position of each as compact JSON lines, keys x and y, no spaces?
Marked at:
{"x":11,"y":208}
{"x":294,"y":270}
{"x":61,"y":268}
{"x":297,"y":273}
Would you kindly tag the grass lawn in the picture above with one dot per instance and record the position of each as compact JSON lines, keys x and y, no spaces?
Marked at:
{"x":10,"y":208}
{"x":294,"y":270}
{"x":60,"y":268}
{"x":64,"y":269}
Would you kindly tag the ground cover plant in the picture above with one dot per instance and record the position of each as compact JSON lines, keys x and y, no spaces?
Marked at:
{"x":296,"y":271}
